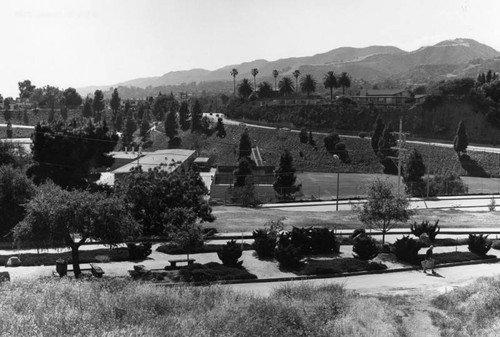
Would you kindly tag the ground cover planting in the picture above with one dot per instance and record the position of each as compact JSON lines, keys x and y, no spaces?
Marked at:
{"x":16,"y":132}
{"x":206,"y":248}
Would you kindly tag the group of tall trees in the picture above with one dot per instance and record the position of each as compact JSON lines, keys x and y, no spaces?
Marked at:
{"x":286,"y":87}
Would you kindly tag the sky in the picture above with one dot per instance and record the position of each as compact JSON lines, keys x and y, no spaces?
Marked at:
{"x":76,"y":43}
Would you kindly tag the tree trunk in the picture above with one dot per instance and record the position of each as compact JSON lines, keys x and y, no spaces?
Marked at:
{"x":76,"y":259}
{"x":331,"y":94}
{"x":383,"y":237}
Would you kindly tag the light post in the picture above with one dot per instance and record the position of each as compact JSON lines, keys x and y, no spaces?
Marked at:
{"x":336,"y":158}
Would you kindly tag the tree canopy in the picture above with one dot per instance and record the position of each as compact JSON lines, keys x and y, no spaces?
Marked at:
{"x":284,"y":184}
{"x":461,"y":140}
{"x":245,"y":88}
{"x":308,"y":84}
{"x":65,"y":154}
{"x":330,"y":82}
{"x":61,"y":218}
{"x":344,"y":81}
{"x":71,"y":97}
{"x":286,"y":86}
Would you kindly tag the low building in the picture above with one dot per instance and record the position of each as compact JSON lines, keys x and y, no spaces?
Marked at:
{"x":383,"y":97}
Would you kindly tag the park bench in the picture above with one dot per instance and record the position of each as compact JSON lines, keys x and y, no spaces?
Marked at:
{"x":96,"y":270}
{"x":174,"y":262}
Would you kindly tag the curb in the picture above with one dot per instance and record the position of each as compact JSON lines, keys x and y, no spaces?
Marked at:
{"x":327,"y":276}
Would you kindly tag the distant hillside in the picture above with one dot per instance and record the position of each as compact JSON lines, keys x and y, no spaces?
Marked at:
{"x":446,"y":58}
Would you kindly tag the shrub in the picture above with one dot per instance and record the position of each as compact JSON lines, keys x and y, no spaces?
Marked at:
{"x":496,"y":245}
{"x":287,"y":254}
{"x":230,"y":253}
{"x":425,"y":228}
{"x":264,"y":243}
{"x":357,"y":232}
{"x":314,"y":240}
{"x":376,"y":266}
{"x":446,"y":184}
{"x":139,"y":251}
{"x":365,"y":247}
{"x":406,"y":249}
{"x":362,"y":134}
{"x":479,"y":244}
{"x":213,"y":271}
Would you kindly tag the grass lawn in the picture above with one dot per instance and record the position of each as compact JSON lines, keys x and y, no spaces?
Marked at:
{"x":86,"y":256}
{"x":239,"y":219}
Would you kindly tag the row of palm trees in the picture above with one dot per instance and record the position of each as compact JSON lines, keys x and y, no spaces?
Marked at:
{"x":286,"y":87}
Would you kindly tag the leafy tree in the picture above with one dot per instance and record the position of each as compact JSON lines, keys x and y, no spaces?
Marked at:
{"x":461,"y":140}
{"x":378,"y":128}
{"x":64,"y":112}
{"x":65,"y":154}
{"x":25,"y":89}
{"x":331,"y":141}
{"x":296,"y":74}
{"x":196,"y":115}
{"x":98,"y":104}
{"x":344,"y":81}
{"x":308,"y":84}
{"x":119,"y":121}
{"x":144,"y":128}
{"x":265,"y":90}
{"x":254,"y":73}
{"x":243,"y":171}
{"x":6,"y":104}
{"x":275,"y":75}
{"x":245,"y":195}
{"x":171,"y":126}
{"x":71,"y":97}
{"x":87,"y":108}
{"x":383,"y":209}
{"x":16,"y":190}
{"x":184,"y":230}
{"x":7,"y":114}
{"x":184,"y":117}
{"x":245,"y":147}
{"x":284,"y":184}
{"x":234,"y":72}
{"x":61,"y":218}
{"x":413,"y":173}
{"x":303,"y":136}
{"x":13,"y":154}
{"x":286,"y":86}
{"x":245,"y":88}
{"x":330,"y":82}
{"x":219,"y":129}
{"x":128,"y":133}
{"x":162,"y":104}
{"x":154,"y":197}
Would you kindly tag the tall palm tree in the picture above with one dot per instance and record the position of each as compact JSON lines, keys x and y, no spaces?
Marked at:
{"x":308,"y":84}
{"x":344,"y":81}
{"x":296,"y":74}
{"x":234,"y":72}
{"x":254,"y":73}
{"x":275,"y":74}
{"x":330,"y":82}
{"x":286,"y":86}
{"x":245,"y":88}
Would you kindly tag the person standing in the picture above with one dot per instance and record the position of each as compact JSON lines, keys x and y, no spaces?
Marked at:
{"x":429,"y":260}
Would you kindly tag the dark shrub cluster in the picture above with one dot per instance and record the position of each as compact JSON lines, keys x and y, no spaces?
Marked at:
{"x":479,"y":244}
{"x":230,"y":253}
{"x":425,"y":228}
{"x":264,"y":243}
{"x":213,"y":271}
{"x":314,"y":240}
{"x":286,"y":253}
{"x":406,"y":249}
{"x":357,"y":232}
{"x":139,"y":251}
{"x":364,"y":247}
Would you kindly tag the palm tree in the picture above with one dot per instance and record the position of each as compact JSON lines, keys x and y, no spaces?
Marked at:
{"x":254,"y":73}
{"x":275,"y":74}
{"x":245,"y":88}
{"x":308,"y":84}
{"x":234,"y":72}
{"x":330,"y":82}
{"x":265,"y":90}
{"x":344,"y":81}
{"x":296,"y":74}
{"x":286,"y":86}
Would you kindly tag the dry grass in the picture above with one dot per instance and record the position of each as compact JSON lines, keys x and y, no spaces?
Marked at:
{"x":125,"y":308}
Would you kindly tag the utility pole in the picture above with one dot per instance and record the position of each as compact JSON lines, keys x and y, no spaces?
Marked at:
{"x":400,"y":148}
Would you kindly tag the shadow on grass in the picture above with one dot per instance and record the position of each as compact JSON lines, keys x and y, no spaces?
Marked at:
{"x":472,"y":168}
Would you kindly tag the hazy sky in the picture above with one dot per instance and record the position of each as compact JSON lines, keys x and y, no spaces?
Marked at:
{"x":101,"y":42}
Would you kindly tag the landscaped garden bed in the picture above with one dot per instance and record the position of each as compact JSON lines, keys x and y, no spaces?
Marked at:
{"x":337,"y":266}
{"x":212,"y":272}
{"x":206,"y":248}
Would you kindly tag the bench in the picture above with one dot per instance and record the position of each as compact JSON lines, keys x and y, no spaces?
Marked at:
{"x":174,"y":262}
{"x":96,"y":270}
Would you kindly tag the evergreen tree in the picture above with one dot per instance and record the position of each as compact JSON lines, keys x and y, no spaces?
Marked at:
{"x":87,"y":108}
{"x":386,"y":141}
{"x":98,"y":104}
{"x":284,"y":184}
{"x":171,"y":125}
{"x":219,"y":129}
{"x":413,"y":173}
{"x":303,"y":135}
{"x":196,"y":115}
{"x":184,"y":117}
{"x":243,"y":171}
{"x":119,"y":121}
{"x":26,"y":119}
{"x":378,"y":128}
{"x":245,"y":148}
{"x":461,"y":140}
{"x":144,"y":128}
{"x":115,"y":105}
{"x":310,"y":139}
{"x":130,"y":128}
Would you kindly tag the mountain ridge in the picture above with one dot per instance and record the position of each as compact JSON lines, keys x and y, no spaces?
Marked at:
{"x":370,"y":63}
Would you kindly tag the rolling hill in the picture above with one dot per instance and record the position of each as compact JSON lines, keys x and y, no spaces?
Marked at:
{"x":446,"y":58}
